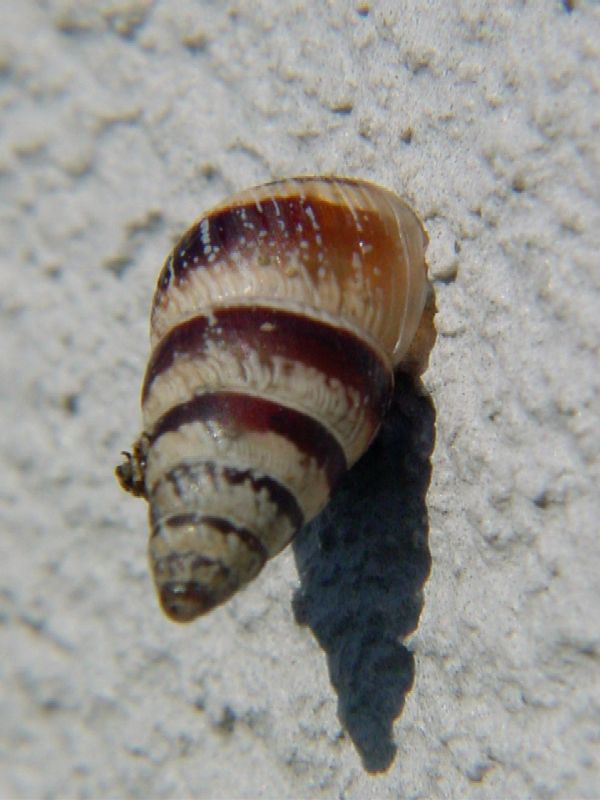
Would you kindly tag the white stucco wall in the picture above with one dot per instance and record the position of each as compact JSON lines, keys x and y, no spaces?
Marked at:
{"x":446,"y":608}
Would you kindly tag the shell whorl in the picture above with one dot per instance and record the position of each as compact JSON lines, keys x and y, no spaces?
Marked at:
{"x":276,"y":325}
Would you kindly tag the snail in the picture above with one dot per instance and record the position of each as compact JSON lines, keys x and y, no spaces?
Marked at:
{"x":276,"y":326}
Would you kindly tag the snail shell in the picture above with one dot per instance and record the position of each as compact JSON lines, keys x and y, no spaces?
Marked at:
{"x":276,"y":326}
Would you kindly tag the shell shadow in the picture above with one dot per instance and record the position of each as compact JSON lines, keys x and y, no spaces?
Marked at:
{"x":363,"y":564}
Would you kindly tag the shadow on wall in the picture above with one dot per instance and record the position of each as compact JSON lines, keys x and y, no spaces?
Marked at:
{"x":363,"y":563}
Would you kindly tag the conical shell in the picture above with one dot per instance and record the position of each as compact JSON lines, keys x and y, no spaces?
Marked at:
{"x":276,"y":325}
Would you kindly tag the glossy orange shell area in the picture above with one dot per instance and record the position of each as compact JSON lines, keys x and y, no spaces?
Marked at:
{"x":346,"y":248}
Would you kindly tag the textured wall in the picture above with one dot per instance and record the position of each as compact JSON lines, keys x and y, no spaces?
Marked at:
{"x":437,"y":632}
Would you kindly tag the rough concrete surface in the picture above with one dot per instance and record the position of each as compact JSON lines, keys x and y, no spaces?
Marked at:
{"x":436,"y":633}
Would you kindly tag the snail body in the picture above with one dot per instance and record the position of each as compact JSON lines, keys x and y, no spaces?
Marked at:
{"x":276,"y":326}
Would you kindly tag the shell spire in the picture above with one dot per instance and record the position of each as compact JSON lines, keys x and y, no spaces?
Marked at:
{"x":277,"y":323}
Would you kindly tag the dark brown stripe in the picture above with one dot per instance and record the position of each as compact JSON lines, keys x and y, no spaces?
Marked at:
{"x":235,"y":413}
{"x":270,"y":332}
{"x":174,"y":560}
{"x":184,"y":475}
{"x":278,"y":494}
{"x":215,"y":237}
{"x":220,"y":524}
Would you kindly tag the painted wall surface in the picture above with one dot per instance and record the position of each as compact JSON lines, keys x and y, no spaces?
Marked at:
{"x":436,"y":632}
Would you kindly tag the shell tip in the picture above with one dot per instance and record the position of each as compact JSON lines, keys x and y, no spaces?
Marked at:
{"x":184,"y":601}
